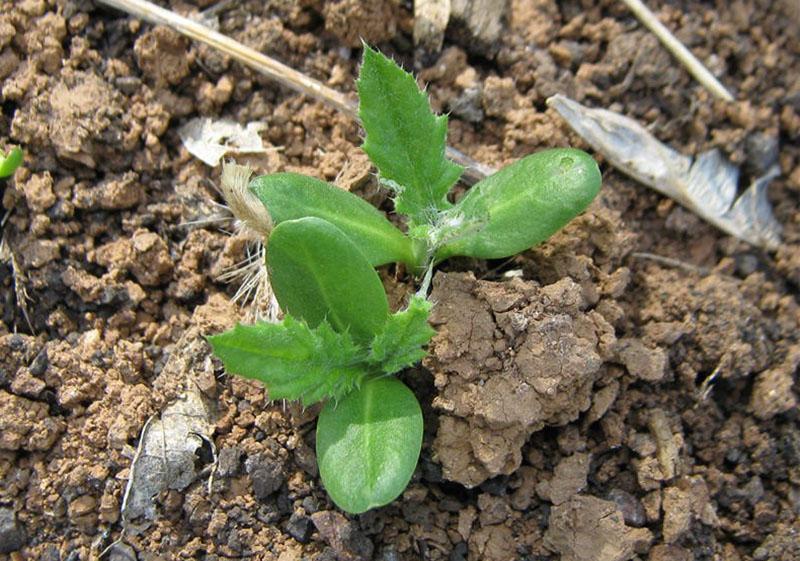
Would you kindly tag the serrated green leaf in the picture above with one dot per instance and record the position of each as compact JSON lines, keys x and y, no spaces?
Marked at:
{"x":289,"y":196}
{"x":406,"y":332}
{"x":10,"y":162}
{"x":404,"y":139}
{"x":368,"y":444}
{"x":319,"y":274}
{"x":293,"y":360}
{"x":523,"y":204}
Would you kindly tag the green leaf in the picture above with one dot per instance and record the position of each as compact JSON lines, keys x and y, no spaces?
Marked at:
{"x":368,"y":444}
{"x":400,"y":345}
{"x":10,"y":162}
{"x":293,"y":360}
{"x":289,"y":196}
{"x":404,"y":139}
{"x":319,"y":274}
{"x":523,"y":204}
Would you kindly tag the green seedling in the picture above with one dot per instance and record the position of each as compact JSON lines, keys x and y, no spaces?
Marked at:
{"x":343,"y":347}
{"x":338,"y":343}
{"x":10,"y":162}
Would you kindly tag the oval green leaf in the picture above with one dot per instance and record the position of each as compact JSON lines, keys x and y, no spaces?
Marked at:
{"x":524,"y":204}
{"x":289,"y":196}
{"x":10,"y":162}
{"x":368,"y":444}
{"x":318,"y":273}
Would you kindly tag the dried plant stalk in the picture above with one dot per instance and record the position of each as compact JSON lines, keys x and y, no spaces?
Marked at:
{"x":474,"y":171}
{"x":678,"y":50}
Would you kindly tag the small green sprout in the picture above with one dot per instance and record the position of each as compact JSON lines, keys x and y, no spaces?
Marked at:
{"x":338,"y":343}
{"x":10,"y":162}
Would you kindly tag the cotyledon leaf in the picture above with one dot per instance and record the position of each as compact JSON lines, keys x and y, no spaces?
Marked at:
{"x":318,"y":274}
{"x":523,"y":204}
{"x":289,"y":196}
{"x":368,"y":444}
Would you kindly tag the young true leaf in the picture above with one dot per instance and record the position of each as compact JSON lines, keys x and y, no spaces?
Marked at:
{"x":406,"y":332}
{"x":293,"y":360}
{"x":319,"y":274}
{"x":289,"y":196}
{"x":10,"y":162}
{"x":404,"y":139}
{"x":524,"y":203}
{"x":368,"y":444}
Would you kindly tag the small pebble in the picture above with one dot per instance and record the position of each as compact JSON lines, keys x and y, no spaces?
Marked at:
{"x":389,"y":553}
{"x":310,"y":505}
{"x":12,"y":534}
{"x":762,"y":151}
{"x":630,"y":507}
{"x":459,"y":552}
{"x":229,"y":462}
{"x":299,"y":527}
{"x":266,"y":474}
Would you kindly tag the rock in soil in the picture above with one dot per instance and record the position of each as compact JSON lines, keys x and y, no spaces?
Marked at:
{"x":299,"y":527}
{"x":266,"y":473}
{"x":633,"y":512}
{"x":12,"y":534}
{"x":478,"y":24}
{"x":343,"y":536}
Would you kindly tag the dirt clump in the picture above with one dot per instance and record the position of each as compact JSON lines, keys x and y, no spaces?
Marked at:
{"x":714,"y":324}
{"x":773,"y":392}
{"x":117,"y":192}
{"x":353,"y":20}
{"x":344,"y":538}
{"x":145,"y":255}
{"x":79,"y":113}
{"x":162,"y":55}
{"x":604,"y":536}
{"x":569,"y":478}
{"x":27,"y":425}
{"x":524,"y":357}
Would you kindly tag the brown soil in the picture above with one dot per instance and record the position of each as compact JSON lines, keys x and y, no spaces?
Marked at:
{"x":600,"y":406}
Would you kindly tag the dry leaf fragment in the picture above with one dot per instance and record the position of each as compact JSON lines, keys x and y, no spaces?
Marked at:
{"x":167,"y":454}
{"x":210,"y":140}
{"x":707,"y":184}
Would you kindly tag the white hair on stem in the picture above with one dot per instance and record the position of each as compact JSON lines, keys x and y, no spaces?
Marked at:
{"x":253,"y":223}
{"x":255,"y":292}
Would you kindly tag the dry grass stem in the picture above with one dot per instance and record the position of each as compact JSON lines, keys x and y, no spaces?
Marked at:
{"x":474,"y":171}
{"x":678,"y":50}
